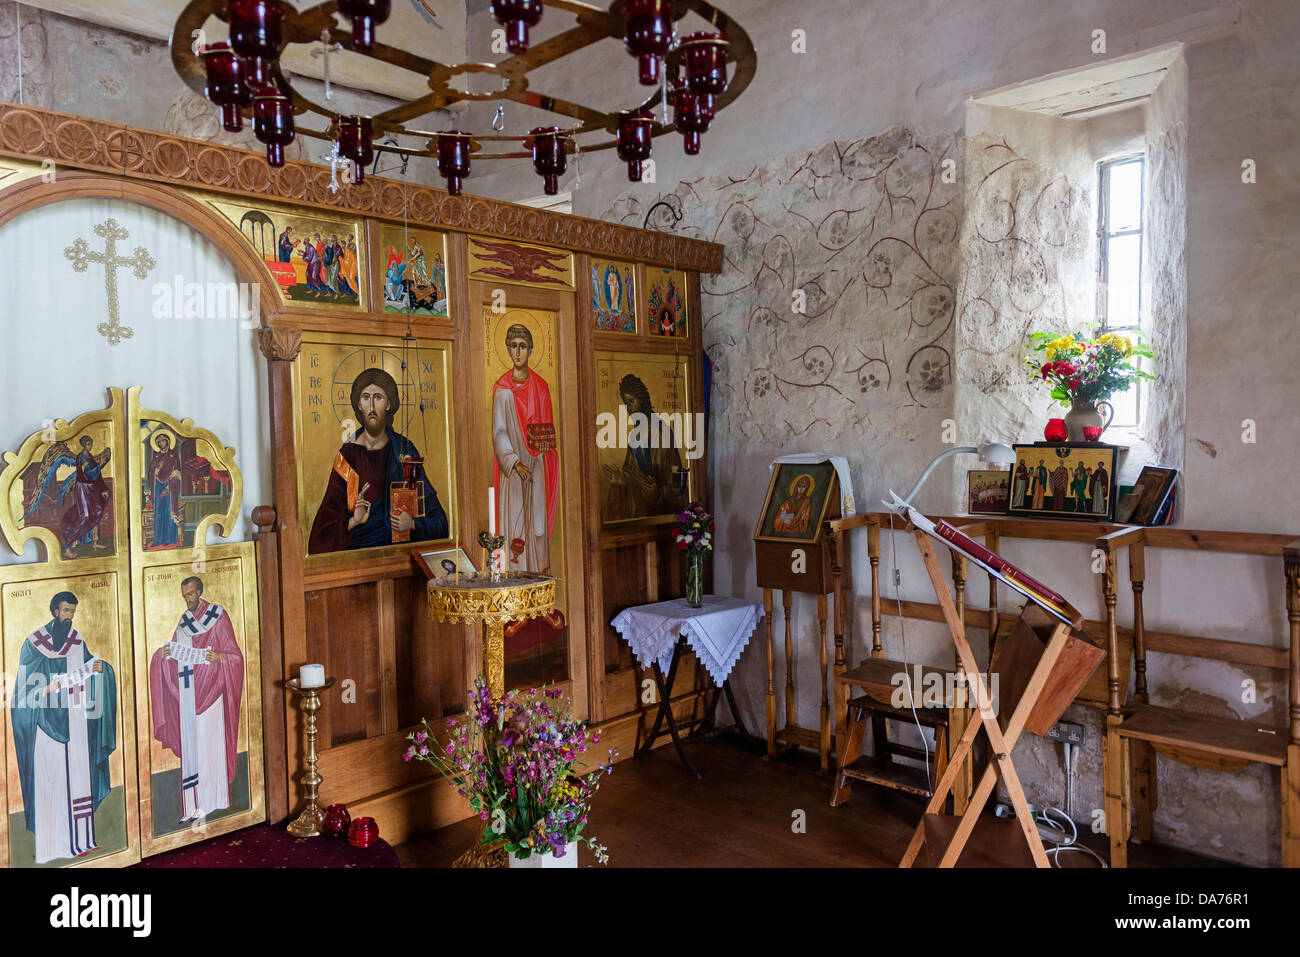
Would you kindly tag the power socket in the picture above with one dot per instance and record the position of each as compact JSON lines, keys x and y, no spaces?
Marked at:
{"x":1066,"y":732}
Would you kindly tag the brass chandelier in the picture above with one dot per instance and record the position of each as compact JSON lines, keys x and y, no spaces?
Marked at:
{"x":242,"y":76}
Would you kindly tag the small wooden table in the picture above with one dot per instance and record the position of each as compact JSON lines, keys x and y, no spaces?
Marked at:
{"x":685,"y":624}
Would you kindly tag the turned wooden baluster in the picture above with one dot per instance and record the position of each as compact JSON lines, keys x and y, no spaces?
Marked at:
{"x":873,"y":553}
{"x":1115,"y":778}
{"x":1291,"y":770}
{"x":771,"y":681}
{"x":1141,"y":753}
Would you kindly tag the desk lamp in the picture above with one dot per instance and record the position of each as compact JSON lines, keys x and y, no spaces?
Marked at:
{"x":998,"y":452}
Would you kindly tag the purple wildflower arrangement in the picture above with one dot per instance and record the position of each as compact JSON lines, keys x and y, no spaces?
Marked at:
{"x":513,"y":759}
{"x":694,"y":528}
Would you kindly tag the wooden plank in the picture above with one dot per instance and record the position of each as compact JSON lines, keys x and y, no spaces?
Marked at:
{"x":274,"y":730}
{"x":1252,"y":740}
{"x":1218,"y":649}
{"x":387,"y":655}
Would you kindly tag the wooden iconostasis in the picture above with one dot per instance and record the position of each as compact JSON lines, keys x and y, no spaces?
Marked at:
{"x":501,"y":334}
{"x":514,"y":360}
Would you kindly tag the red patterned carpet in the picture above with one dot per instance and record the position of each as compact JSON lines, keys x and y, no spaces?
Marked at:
{"x":267,"y":846}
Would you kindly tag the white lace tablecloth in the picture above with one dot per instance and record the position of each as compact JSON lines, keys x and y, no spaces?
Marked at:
{"x":717,"y":633}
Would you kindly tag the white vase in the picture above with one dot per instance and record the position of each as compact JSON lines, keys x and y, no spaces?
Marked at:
{"x":570,"y":858}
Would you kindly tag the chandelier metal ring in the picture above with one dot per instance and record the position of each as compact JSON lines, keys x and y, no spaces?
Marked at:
{"x":594,"y":24}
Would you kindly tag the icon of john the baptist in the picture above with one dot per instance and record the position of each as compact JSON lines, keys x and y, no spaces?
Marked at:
{"x":356,"y":510}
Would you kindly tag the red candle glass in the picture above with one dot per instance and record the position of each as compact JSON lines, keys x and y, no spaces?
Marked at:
{"x":453,"y":158}
{"x":705,"y":55}
{"x":336,"y":821}
{"x":634,"y":141}
{"x":1056,"y":430}
{"x":365,"y":16}
{"x":355,"y":144}
{"x":363,"y":832}
{"x":648,"y":32}
{"x":517,"y":16}
{"x":273,"y":124}
{"x":226,"y":86}
{"x":255,"y":36}
{"x":549,"y":158}
{"x":1092,"y":433}
{"x":690,"y":118}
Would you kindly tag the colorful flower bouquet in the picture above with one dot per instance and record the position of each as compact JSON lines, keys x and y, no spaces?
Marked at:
{"x":513,"y":760}
{"x":1087,"y":370}
{"x":695,"y":537}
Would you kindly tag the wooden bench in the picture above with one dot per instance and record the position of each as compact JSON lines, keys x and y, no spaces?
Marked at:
{"x":1137,"y":730}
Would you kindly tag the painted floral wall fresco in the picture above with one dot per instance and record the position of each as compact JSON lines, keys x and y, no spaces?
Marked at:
{"x":1027,"y":265}
{"x":831,"y":325}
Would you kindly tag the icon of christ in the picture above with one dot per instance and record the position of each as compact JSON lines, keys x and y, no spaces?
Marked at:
{"x":357,"y":510}
{"x":196,"y":682}
{"x":525,"y":464}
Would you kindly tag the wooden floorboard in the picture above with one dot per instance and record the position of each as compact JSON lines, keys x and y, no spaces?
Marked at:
{"x":741,"y":814}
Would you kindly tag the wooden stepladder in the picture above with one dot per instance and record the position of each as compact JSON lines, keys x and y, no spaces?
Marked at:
{"x":1042,"y":667}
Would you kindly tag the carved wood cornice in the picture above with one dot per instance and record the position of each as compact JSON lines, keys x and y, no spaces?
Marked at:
{"x":33,"y":134}
{"x":279,"y":342}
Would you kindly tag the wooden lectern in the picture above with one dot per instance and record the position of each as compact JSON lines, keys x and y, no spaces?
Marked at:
{"x":1042,"y":666}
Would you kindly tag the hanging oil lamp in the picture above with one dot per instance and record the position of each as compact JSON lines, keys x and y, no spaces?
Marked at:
{"x":705,"y":56}
{"x":255,"y":36}
{"x":273,"y":123}
{"x":634,"y":141}
{"x":453,"y":158}
{"x":355,"y":144}
{"x":365,"y":16}
{"x":690,"y":118}
{"x":549,"y":158}
{"x":648,"y":34}
{"x":517,"y":16}
{"x":225,"y":85}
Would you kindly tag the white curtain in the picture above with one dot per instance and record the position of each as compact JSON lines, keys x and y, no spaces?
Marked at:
{"x":57,"y":364}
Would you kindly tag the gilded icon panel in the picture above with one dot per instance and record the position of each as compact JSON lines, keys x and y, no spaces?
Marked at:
{"x":413,"y":271}
{"x":505,"y":260}
{"x":665,"y":297}
{"x":613,"y":295}
{"x":375,"y":442}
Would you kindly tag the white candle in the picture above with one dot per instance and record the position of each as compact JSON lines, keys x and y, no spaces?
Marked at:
{"x":311,"y":676}
{"x":492,"y":510}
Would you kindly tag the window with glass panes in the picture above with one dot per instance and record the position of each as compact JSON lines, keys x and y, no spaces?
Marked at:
{"x":1119,"y":263}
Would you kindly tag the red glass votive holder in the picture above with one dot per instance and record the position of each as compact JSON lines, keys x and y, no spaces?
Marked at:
{"x":1092,"y":433}
{"x":336,"y":822}
{"x":363,"y":832}
{"x":1056,"y":430}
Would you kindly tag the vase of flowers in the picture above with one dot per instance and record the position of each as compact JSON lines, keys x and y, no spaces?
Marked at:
{"x":1084,"y":373}
{"x":695,"y":538}
{"x":513,"y":759}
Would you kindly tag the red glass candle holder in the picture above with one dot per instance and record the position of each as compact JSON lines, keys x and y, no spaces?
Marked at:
{"x":273,"y":124}
{"x":355,"y":144}
{"x":336,"y":821}
{"x":1092,"y":433}
{"x":365,"y":16}
{"x":363,"y":832}
{"x":517,"y":16}
{"x":225,"y":85}
{"x":634,"y":141}
{"x":255,"y":36}
{"x":648,"y":32}
{"x":705,"y":56}
{"x":1056,"y":430}
{"x":690,"y":118}
{"x":549,"y":157}
{"x":453,"y":158}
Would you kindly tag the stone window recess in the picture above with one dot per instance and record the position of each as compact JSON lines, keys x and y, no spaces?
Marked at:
{"x":1120,"y":249}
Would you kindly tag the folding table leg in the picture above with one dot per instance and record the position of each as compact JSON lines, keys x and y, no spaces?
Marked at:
{"x":666,"y":710}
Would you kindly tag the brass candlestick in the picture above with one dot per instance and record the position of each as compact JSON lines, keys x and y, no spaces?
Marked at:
{"x":307,"y":824}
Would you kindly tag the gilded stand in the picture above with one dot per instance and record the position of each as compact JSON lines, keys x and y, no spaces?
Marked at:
{"x":471,"y":598}
{"x":494,"y":601}
{"x":307,"y":824}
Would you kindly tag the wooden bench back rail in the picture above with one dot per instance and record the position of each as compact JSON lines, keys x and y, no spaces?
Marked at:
{"x":1110,"y":539}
